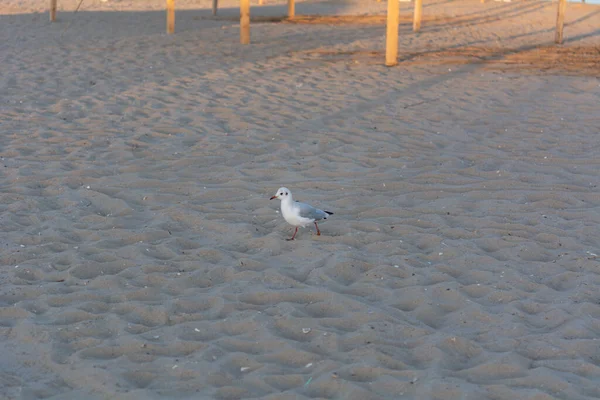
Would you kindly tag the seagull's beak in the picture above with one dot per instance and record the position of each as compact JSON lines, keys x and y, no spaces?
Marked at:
{"x":274,"y":197}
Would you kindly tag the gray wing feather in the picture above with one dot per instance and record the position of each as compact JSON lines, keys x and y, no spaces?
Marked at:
{"x":308,"y":211}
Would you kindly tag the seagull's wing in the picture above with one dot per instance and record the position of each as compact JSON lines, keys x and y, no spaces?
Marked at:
{"x":310,"y":212}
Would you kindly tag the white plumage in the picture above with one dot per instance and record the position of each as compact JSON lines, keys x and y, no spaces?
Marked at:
{"x":299,"y":214}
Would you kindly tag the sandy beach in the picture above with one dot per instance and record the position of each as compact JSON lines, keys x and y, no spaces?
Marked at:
{"x":141,"y":258}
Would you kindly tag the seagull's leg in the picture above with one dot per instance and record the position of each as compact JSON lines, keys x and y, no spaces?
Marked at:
{"x":294,"y":235}
{"x":318,"y":231}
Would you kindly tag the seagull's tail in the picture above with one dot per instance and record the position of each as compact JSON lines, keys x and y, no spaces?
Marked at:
{"x":328,"y":212}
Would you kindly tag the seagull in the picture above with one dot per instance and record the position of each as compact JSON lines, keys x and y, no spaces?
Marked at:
{"x":298,"y":214}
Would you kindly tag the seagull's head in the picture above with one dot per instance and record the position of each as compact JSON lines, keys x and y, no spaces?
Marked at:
{"x":282,"y":193}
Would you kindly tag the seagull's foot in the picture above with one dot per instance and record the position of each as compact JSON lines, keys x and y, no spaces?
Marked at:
{"x":294,"y":235}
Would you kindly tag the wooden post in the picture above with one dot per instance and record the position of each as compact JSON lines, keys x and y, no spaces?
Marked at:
{"x":560,"y":20}
{"x":215,"y":5}
{"x":245,"y":21}
{"x":417,"y":15}
{"x":291,"y":9}
{"x":170,"y":16}
{"x":53,"y":10}
{"x":391,"y":36}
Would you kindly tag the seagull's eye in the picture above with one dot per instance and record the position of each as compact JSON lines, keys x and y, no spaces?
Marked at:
{"x":286,"y":193}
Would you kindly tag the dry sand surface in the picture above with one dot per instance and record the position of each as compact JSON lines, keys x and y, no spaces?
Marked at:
{"x":140,"y":255}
